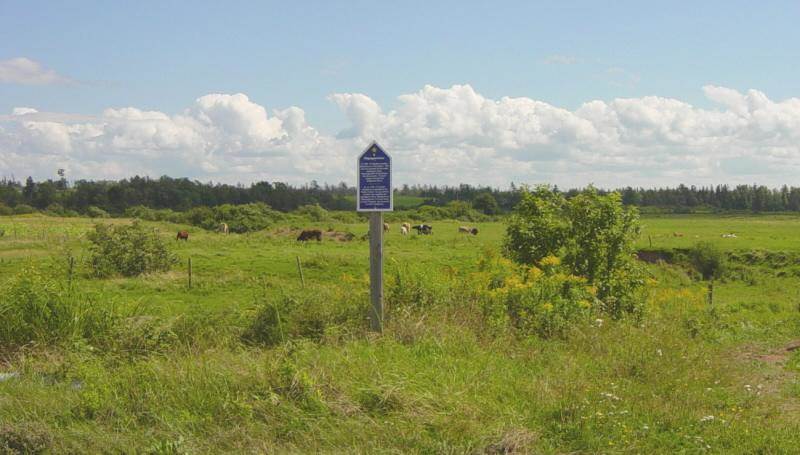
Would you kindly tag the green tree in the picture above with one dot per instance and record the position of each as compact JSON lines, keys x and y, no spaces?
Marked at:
{"x":486,"y":203}
{"x":537,"y":227}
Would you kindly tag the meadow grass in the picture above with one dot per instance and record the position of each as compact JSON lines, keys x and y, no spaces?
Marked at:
{"x":179,"y":371}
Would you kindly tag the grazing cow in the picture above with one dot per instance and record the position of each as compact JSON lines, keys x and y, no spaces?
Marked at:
{"x":728,"y":236}
{"x":385,"y":227}
{"x":677,"y":234}
{"x":468,"y":230}
{"x":403,"y":230}
{"x":474,"y":231}
{"x":182,"y":235}
{"x":423,"y":229}
{"x":310,"y":234}
{"x":223,"y":228}
{"x":407,"y":226}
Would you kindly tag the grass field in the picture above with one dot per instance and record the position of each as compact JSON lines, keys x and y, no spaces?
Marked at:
{"x":182,"y":377}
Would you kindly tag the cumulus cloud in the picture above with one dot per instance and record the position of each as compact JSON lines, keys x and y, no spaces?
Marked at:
{"x":25,"y":71}
{"x":437,"y":136}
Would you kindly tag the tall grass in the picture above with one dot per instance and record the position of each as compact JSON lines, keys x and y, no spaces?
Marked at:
{"x":35,"y":308}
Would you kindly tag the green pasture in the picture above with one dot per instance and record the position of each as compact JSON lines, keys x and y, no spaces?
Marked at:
{"x":688,"y":376}
{"x":764,"y":232}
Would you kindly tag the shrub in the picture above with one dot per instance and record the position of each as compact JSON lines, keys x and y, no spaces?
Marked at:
{"x":537,"y":228}
{"x":6,"y":210}
{"x":600,"y":247}
{"x":23,"y":209}
{"x":128,"y":250}
{"x":141,"y":212}
{"x":54,"y":209}
{"x":592,"y":234}
{"x":240,"y":218}
{"x":313,"y":212}
{"x":543,"y":301}
{"x":96,"y":212}
{"x":708,"y":260}
{"x":37,"y":308}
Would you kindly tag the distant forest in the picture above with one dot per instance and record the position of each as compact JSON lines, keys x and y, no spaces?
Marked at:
{"x":180,"y":194}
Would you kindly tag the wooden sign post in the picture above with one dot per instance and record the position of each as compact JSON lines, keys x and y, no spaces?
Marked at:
{"x":375,"y":195}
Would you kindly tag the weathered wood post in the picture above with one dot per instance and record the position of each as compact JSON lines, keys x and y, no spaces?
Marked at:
{"x":711,"y":292}
{"x":71,"y":271}
{"x":376,"y":270}
{"x":300,"y":272}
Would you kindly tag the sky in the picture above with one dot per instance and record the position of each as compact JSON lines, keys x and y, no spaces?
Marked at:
{"x":568,"y":93}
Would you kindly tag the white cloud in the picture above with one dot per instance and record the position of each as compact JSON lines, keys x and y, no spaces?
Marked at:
{"x":25,"y":71}
{"x":437,"y":136}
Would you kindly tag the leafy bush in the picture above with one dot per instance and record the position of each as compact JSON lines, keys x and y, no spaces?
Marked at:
{"x":313,"y":212}
{"x":96,"y":212}
{"x":6,"y":210}
{"x":54,"y":209}
{"x":128,"y":250}
{"x":36,"y":308}
{"x":239,"y":218}
{"x":543,"y":301}
{"x":592,"y":234}
{"x":23,"y":209}
{"x":708,"y":259}
{"x":600,"y":247}
{"x":538,"y":226}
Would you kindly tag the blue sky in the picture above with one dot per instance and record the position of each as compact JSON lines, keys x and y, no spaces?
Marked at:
{"x":162,"y":56}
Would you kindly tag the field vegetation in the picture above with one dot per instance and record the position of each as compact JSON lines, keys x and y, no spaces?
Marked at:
{"x":484,"y":350}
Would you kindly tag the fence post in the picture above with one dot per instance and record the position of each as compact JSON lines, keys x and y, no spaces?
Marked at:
{"x":711,"y":292}
{"x":190,"y":272}
{"x":300,"y":271}
{"x":71,"y":269}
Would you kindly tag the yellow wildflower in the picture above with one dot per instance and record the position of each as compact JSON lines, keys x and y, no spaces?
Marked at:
{"x":550,"y":261}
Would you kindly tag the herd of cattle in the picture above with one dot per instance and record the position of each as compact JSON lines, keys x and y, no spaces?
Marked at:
{"x":405,"y":228}
{"x":316,"y":234}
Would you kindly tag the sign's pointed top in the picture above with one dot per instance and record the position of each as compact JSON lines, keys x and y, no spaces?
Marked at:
{"x":374,"y":149}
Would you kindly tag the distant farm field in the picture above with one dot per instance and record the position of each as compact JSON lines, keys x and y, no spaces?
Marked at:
{"x":766,"y":232}
{"x":249,"y":359}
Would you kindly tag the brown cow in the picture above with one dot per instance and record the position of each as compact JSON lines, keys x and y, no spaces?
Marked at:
{"x":182,"y":235}
{"x":310,"y":234}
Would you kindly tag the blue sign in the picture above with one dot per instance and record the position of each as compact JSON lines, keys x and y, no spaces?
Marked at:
{"x":374,"y":189}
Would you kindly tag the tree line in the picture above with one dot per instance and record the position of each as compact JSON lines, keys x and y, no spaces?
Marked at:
{"x":181,"y":194}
